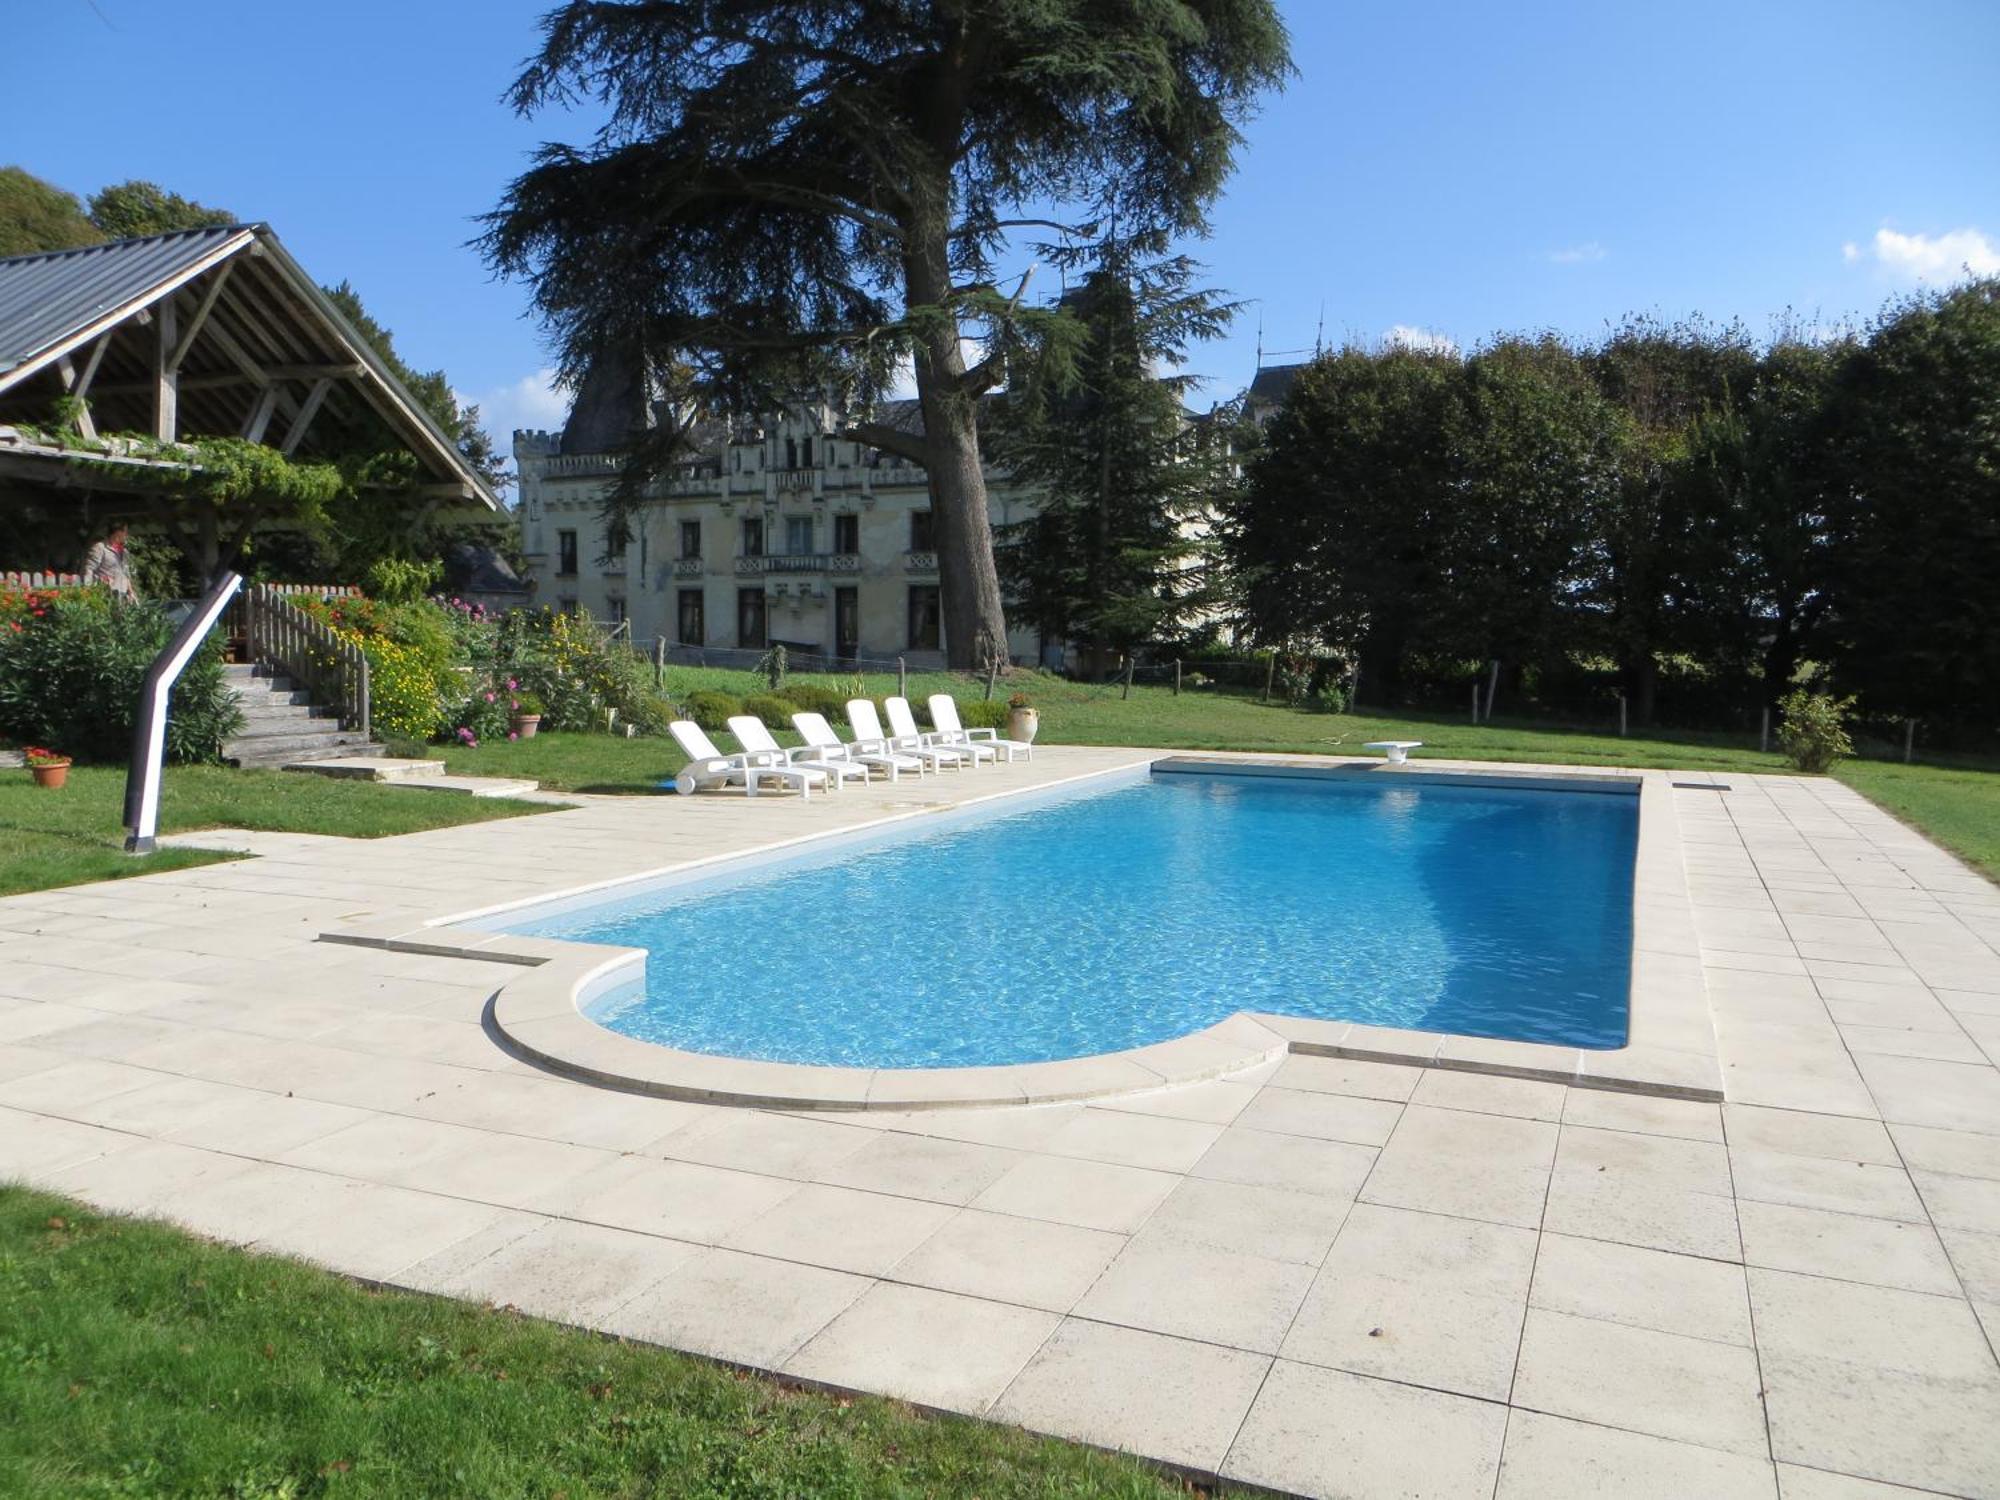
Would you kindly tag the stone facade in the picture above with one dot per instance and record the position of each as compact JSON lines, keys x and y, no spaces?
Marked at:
{"x":776,"y":532}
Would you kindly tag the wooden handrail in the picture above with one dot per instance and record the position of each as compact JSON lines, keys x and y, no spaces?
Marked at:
{"x":307,"y":650}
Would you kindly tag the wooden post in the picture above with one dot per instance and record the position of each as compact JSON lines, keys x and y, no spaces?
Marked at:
{"x":1475,"y":703}
{"x":659,"y":663}
{"x":1909,"y":740}
{"x":1492,"y":687}
{"x":1131,"y":665}
{"x":1270,"y":675}
{"x":902,"y":679}
{"x":166,"y":382}
{"x":1177,"y":677}
{"x":1621,"y":716}
{"x":992,"y":671}
{"x":1764,"y":734}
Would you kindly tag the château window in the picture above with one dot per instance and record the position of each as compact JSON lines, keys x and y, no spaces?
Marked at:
{"x":798,"y":535}
{"x":566,"y":553}
{"x":923,"y":535}
{"x":690,"y":539}
{"x":753,"y":536}
{"x":847,"y":533}
{"x":925,"y":633}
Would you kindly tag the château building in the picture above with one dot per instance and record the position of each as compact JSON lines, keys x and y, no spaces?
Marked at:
{"x":773,"y":531}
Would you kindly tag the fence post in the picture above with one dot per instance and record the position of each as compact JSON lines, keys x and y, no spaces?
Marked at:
{"x":1177,"y":677}
{"x":1764,"y":734}
{"x":992,"y":671}
{"x":659,"y":663}
{"x":1621,"y":716}
{"x":1131,"y":665}
{"x":1909,"y":740}
{"x":902,"y":678}
{"x":1270,"y":675}
{"x":1475,"y":702}
{"x":1492,"y":687}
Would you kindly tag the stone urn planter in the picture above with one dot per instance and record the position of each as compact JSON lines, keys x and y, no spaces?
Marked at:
{"x":49,"y":773}
{"x":523,"y":726}
{"x":1022,"y":725}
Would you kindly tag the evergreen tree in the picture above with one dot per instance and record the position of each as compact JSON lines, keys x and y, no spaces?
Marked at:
{"x":129,"y":210}
{"x":789,"y":197}
{"x":1119,"y":550}
{"x":37,"y":216}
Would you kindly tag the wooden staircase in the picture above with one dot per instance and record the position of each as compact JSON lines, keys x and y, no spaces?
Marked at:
{"x":282,"y":726}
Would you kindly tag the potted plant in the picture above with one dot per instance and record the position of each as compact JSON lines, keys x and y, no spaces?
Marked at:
{"x":49,"y":767}
{"x":524,"y":711}
{"x":1022,"y":720}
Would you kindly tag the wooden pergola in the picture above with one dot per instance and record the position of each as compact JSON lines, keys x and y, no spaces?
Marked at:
{"x":205,"y":333}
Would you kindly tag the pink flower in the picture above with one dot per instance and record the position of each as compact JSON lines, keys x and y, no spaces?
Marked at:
{"x":512,"y":685}
{"x":489,"y":697}
{"x":512,"y":735}
{"x":515,"y":705}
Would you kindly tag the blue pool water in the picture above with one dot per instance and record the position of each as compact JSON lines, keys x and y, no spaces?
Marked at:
{"x":1142,"y":912}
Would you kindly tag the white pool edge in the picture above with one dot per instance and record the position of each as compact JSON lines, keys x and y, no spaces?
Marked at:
{"x":540,"y":1013}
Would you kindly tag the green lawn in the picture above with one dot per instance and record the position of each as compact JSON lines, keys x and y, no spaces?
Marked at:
{"x":136,"y":1360}
{"x":54,"y":838}
{"x":1957,"y":805}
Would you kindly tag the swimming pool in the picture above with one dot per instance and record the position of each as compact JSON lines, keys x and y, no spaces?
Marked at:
{"x":1140,"y":911}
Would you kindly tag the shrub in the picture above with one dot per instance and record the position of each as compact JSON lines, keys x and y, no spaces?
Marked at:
{"x":776,"y":712}
{"x":406,"y":689}
{"x":1813,"y":731}
{"x":1331,"y":698}
{"x":712,"y":710}
{"x":581,"y":678}
{"x":772,"y":666}
{"x":484,"y":716}
{"x":71,"y":665}
{"x":983,"y":713}
{"x":395,"y":581}
{"x":814,"y":698}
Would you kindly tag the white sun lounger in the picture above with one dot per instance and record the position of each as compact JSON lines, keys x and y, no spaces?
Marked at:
{"x":753,"y":736}
{"x":904,"y":735}
{"x":944,"y":714}
{"x":868,"y":735}
{"x":827,"y":745}
{"x":943,"y":736}
{"x":708,"y":766}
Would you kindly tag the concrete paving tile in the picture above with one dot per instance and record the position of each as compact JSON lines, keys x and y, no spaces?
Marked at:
{"x":514,"y":1171}
{"x":1795,"y":1483}
{"x":1882,"y":1192}
{"x":1272,"y":1222}
{"x":146,"y":1177}
{"x":1942,"y":1046}
{"x":743,"y":1308}
{"x":35,"y":1148}
{"x":918,"y":1166}
{"x":1095,"y":1195}
{"x":1217,"y":1102}
{"x":1976,"y":1258}
{"x":677,"y":1199}
{"x":159,"y":1108}
{"x":1848,"y":1247}
{"x":1006,"y":1259}
{"x":267,"y":1125}
{"x":1550,"y":1456}
{"x":19,"y":1062}
{"x":1961,"y":1202}
{"x":366,"y":1229}
{"x":1654,"y":1191}
{"x":1260,"y":1158}
{"x":240,"y":1208}
{"x":1690,"y":1390}
{"x":1119,"y":1388}
{"x":1681,"y":1294}
{"x":841,"y":1228}
{"x":74,"y":1085}
{"x":1348,"y":1075}
{"x":1326,"y":1117}
{"x":1474,"y":1166}
{"x":938,"y":1349}
{"x":1605,"y":1109}
{"x":1961,"y":1152}
{"x":382,"y":1148}
{"x":574,"y":1273}
{"x":1835,"y":1137}
{"x":1949,"y":1096}
{"x":1163,"y":1145}
{"x":755,"y":1140}
{"x":1420,"y":1298}
{"x":1217,"y":1296}
{"x":1488,"y":1093}
{"x":1394,"y":1439}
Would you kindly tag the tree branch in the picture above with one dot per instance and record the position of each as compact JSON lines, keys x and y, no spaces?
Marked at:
{"x":888,"y":439}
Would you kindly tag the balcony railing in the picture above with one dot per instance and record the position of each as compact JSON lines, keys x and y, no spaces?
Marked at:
{"x":920,"y":562}
{"x":843,"y":562}
{"x":796,"y":562}
{"x":687,"y":567}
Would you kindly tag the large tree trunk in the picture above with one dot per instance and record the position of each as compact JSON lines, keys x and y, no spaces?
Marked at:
{"x":975,"y":623}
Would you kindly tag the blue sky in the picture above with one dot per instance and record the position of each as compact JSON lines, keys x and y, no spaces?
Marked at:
{"x":1451,"y":169}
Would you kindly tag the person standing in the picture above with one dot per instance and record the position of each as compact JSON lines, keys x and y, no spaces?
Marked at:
{"x":105,"y":563}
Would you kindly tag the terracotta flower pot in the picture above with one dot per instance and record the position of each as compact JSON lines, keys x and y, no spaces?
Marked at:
{"x":525,"y":725}
{"x":1023,"y":724}
{"x":52,"y":775}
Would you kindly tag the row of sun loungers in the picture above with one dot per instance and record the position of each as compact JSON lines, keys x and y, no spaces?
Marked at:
{"x":826,"y":760}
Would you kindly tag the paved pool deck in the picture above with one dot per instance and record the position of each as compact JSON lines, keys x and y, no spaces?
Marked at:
{"x":1325,"y":1275}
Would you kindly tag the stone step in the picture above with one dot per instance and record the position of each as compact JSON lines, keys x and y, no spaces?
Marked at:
{"x":469,"y":786}
{"x":274,"y":726}
{"x":276,"y":754}
{"x":371,"y":765}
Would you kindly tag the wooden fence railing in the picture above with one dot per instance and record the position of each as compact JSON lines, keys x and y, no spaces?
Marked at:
{"x":37,"y":580}
{"x":276,"y":631}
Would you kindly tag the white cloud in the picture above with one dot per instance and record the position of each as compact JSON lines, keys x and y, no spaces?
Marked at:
{"x":1423,"y":340}
{"x":1928,"y":257}
{"x":1589,"y":252}
{"x":533,"y":401}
